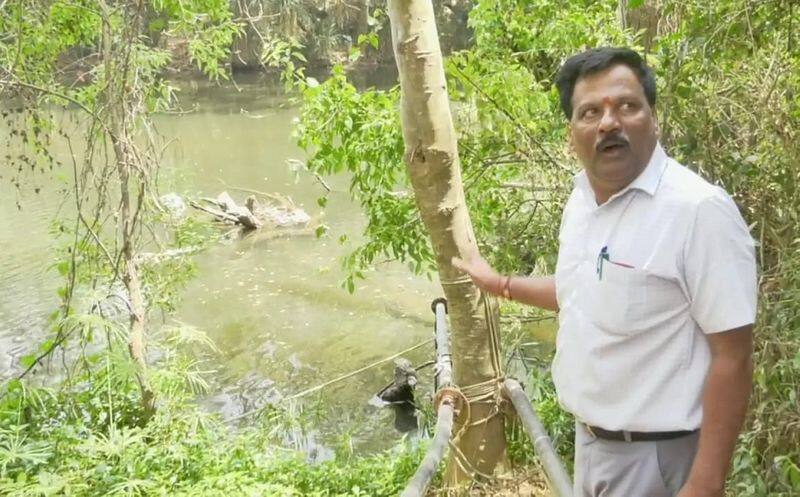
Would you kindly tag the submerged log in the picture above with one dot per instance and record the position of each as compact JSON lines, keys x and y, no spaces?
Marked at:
{"x":284,"y":215}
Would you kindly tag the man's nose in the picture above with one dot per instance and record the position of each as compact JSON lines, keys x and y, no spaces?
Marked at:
{"x":609,"y":122}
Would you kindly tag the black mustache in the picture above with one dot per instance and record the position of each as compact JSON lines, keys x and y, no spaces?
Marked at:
{"x":609,"y":141}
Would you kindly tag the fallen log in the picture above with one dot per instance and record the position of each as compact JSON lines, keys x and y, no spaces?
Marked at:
{"x":278,"y":214}
{"x":242,"y":214}
{"x":223,"y":216}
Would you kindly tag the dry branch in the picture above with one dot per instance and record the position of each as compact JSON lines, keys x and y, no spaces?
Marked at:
{"x":223,"y":216}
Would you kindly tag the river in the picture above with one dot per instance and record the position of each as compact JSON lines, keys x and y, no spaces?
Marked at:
{"x":274,"y":308}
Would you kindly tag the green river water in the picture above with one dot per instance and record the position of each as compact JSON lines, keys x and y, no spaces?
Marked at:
{"x":274,"y":308}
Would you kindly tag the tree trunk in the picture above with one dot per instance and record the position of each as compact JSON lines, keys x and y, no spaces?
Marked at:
{"x":642,"y":19}
{"x":130,"y":277}
{"x":120,"y":121}
{"x":363,"y":18}
{"x":431,"y":156}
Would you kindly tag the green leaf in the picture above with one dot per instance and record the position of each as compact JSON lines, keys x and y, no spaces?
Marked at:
{"x":15,"y":385}
{"x":27,"y":361}
{"x":62,"y":268}
{"x":157,"y":25}
{"x":374,"y":40}
{"x":635,"y":4}
{"x":47,"y":346}
{"x":322,"y":202}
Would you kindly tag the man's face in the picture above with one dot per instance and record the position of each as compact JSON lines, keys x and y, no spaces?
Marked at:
{"x":613,"y":129}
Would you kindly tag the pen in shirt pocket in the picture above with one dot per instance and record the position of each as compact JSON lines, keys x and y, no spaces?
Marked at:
{"x":605,"y":256}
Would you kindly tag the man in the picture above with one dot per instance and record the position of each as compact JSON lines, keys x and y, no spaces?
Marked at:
{"x":655,"y":287}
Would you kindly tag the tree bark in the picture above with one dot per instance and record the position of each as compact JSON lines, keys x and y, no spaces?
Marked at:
{"x":432,"y":160}
{"x":363,"y":18}
{"x":120,"y":122}
{"x":642,"y":19}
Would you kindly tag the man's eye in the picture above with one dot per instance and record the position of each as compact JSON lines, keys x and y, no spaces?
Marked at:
{"x":629,"y":106}
{"x":589,"y":113}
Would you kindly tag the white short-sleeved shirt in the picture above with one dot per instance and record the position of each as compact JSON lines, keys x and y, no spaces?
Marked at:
{"x":640,"y":280}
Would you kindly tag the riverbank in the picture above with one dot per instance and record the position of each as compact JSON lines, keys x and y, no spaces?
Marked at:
{"x":87,"y":437}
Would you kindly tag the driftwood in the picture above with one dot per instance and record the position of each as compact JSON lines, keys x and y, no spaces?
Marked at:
{"x":279,"y":212}
{"x":278,"y":216}
{"x":242,"y":214}
{"x":222,"y":216}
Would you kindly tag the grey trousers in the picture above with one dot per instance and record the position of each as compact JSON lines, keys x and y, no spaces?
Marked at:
{"x":606,"y":468}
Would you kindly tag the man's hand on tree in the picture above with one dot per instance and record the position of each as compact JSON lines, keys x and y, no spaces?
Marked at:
{"x":482,"y":274}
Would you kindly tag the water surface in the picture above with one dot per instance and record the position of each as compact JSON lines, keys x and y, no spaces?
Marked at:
{"x":274,"y":307}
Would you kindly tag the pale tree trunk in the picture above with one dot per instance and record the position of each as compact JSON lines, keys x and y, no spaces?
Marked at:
{"x":622,"y":13}
{"x":431,"y":156}
{"x":643,"y":18}
{"x":120,"y":121}
{"x":138,"y":313}
{"x":363,"y":17}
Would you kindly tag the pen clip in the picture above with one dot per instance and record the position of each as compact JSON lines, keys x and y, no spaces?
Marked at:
{"x":603,"y":255}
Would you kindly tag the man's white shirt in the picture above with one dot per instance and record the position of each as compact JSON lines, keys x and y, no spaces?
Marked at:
{"x":640,"y":280}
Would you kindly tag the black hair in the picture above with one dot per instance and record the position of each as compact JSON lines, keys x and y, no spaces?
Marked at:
{"x":598,"y":59}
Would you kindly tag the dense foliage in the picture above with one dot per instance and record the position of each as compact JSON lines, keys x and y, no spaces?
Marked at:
{"x":327,"y":31}
{"x":92,"y":439}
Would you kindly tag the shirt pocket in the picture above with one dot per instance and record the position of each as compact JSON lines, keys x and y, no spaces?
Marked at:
{"x":626,"y":301}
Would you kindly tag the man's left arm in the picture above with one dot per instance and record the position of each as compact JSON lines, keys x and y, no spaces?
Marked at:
{"x":720,"y":274}
{"x":725,"y":398}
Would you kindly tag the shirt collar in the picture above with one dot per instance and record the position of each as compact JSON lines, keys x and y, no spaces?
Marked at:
{"x":647,"y":181}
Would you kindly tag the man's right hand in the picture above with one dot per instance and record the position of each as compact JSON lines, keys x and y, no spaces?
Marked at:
{"x":482,"y":274}
{"x":539,"y":291}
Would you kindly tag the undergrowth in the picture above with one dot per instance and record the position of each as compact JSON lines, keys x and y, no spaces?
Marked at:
{"x":90,"y":439}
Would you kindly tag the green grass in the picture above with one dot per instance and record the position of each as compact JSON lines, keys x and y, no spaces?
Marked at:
{"x":89,"y":438}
